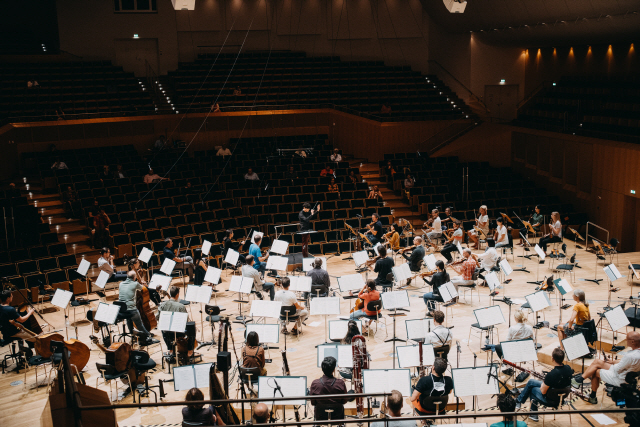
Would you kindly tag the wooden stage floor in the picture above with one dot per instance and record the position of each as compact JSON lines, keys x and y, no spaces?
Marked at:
{"x":22,"y":408}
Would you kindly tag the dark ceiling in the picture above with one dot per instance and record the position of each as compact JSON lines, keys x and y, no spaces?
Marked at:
{"x":527,"y":23}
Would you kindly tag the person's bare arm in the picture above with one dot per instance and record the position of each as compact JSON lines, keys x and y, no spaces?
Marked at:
{"x":415,"y":396}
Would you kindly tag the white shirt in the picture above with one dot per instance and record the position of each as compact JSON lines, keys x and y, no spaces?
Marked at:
{"x":437,"y":225}
{"x":287,"y":298}
{"x":485,"y":220}
{"x":249,"y":271}
{"x":519,"y":331}
{"x":630,"y":363}
{"x":557,"y":229}
{"x":458,"y":236}
{"x":59,"y":165}
{"x":336,"y":157}
{"x":105,"y":266}
{"x":489,"y":259}
{"x":252,"y":177}
{"x":439,"y":336}
{"x":223,"y":152}
{"x":502,"y":235}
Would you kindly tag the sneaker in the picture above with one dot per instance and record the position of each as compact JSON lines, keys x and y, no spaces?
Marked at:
{"x":518,"y":405}
{"x":534,"y":418}
{"x":259,"y":295}
{"x":284,"y":331}
{"x":593,"y":400}
{"x":295,"y":331}
{"x":508,"y":371}
{"x":575,"y":384}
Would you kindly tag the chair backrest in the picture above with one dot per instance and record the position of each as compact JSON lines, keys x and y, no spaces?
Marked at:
{"x":254,"y":372}
{"x":139,"y":356}
{"x":315,"y":288}
{"x":428,"y":403}
{"x":553,"y":396}
{"x":212,"y":310}
{"x":195,"y":424}
{"x":107,"y":369}
{"x":442,"y":351}
{"x":374,"y":305}
{"x":287,"y":310}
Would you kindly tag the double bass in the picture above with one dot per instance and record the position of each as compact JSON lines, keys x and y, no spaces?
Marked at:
{"x":79,"y":351}
{"x":144,"y":308}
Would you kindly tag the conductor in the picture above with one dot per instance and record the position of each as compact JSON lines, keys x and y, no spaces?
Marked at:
{"x":305,"y":216}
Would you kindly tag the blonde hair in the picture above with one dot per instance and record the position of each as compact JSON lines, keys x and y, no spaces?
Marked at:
{"x":520,"y":316}
{"x":555,"y":215}
{"x":581,"y":296}
{"x":484,"y":207}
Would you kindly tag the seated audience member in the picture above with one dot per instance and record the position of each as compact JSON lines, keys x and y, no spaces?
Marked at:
{"x":333,"y":186}
{"x":336,"y":157}
{"x":612,"y":372}
{"x":253,"y":354}
{"x":237,"y":91}
{"x":385,"y":109}
{"x":223,"y":151}
{"x":188,"y":189}
{"x":59,"y":165}
{"x":506,"y":403}
{"x":440,"y":335}
{"x":409,"y":182}
{"x":216,"y":108}
{"x":160,"y":143}
{"x":119,"y":173}
{"x":291,"y":174}
{"x":558,"y":378}
{"x":105,"y":174}
{"x":327,"y":385}
{"x":375,"y":193}
{"x":71,"y":202}
{"x":328,"y":170}
{"x":151,"y":177}
{"x":196,"y":412}
{"x":367,"y":294}
{"x":289,"y":298}
{"x":353,"y":178}
{"x":394,"y":411}
{"x":433,"y":385}
{"x":105,"y":263}
{"x":251,"y":175}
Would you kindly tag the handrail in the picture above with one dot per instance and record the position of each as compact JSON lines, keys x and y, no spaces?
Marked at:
{"x":477,"y":98}
{"x":72,"y":54}
{"x":450,"y":138}
{"x":532,"y":94}
{"x":593,"y":237}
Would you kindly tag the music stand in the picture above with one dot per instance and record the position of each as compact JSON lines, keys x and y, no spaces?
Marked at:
{"x":538,"y":301}
{"x":577,"y":236}
{"x":563,"y":287}
{"x":355,"y":236}
{"x":393,"y":301}
{"x":598,"y":248}
{"x":541,"y":258}
{"x":612,"y":274}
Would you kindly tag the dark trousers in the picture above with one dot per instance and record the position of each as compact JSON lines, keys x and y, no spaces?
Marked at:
{"x":548,"y":240}
{"x":306,"y":238}
{"x":446,"y":251}
{"x":154,"y":296}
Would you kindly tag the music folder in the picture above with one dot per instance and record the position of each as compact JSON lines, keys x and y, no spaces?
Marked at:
{"x":188,"y":377}
{"x":492,"y":280}
{"x":338,"y":328}
{"x":145,"y":255}
{"x":261,"y":308}
{"x":489,"y":316}
{"x":325,"y":305}
{"x":575,"y":346}
{"x":506,"y":267}
{"x":206,"y":247}
{"x":200,"y":294}
{"x":102,"y":279}
{"x":213,"y":275}
{"x":519,"y":351}
{"x":278,"y":263}
{"x":360,"y":258}
{"x":538,"y":301}
{"x":267,"y":333}
{"x":473,"y":381}
{"x":395,"y":299}
{"x":409,"y":355}
{"x":418,"y":328}
{"x":351,"y":282}
{"x":231,"y":257}
{"x":290,"y":387}
{"x":240,"y":284}
{"x":401,"y":272}
{"x":61,"y":298}
{"x":300,"y":283}
{"x":279,"y":247}
{"x":612,"y":272}
{"x":387,"y":380}
{"x":172,"y":321}
{"x":160,"y":280}
{"x":563,"y":286}
{"x":83,"y":267}
{"x":107,"y":313}
{"x":617,"y":318}
{"x":342,"y":353}
{"x":448,"y":292}
{"x":167,"y":266}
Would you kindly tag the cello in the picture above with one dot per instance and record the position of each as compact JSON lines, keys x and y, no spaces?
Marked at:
{"x":144,"y":308}
{"x":79,"y":351}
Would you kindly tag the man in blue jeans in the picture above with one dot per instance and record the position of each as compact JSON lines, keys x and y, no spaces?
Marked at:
{"x":558,"y":378}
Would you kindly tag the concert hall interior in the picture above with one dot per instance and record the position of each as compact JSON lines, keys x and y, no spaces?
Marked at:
{"x":428,"y":207}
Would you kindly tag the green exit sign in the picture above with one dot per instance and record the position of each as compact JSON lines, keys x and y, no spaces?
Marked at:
{"x":633,"y":191}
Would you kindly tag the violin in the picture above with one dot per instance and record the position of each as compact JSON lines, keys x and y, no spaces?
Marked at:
{"x":408,"y":248}
{"x":428,"y":223}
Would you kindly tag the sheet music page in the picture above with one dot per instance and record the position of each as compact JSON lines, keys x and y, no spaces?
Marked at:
{"x":519,"y":351}
{"x":326,"y":350}
{"x":307,"y":263}
{"x":161,"y":280}
{"x":610,"y":274}
{"x":300,"y":283}
{"x":83,"y":267}
{"x":430,"y":262}
{"x":267,"y":333}
{"x":345,"y":356}
{"x":192,"y":293}
{"x":213,"y":275}
{"x":179,"y":322}
{"x":145,"y":255}
{"x":206,"y":247}
{"x":359,"y":258}
{"x":538,"y":300}
{"x":489,"y":316}
{"x":164,"y":322}
{"x":575,"y":346}
{"x":338,"y":328}
{"x":103,"y":313}
{"x":615,"y":271}
{"x":351,"y":282}
{"x":290,"y":387}
{"x":183,"y":378}
{"x":386,"y":380}
{"x":408,"y":356}
{"x":247,"y":285}
{"x":204,"y":294}
{"x":278,"y":263}
{"x":398,"y":273}
{"x":539,"y":251}
{"x":473,"y":382}
{"x":506,"y":268}
{"x":61,"y":298}
{"x":101,"y":281}
{"x":563,"y":286}
{"x":418,"y":328}
{"x":279,"y":247}
{"x":492,"y":280}
{"x":406,"y":270}
{"x":325,"y":305}
{"x":617,"y":318}
{"x":395,"y":299}
{"x":635,"y":273}
{"x":260,"y":308}
{"x":235,"y":283}
{"x":202,"y":374}
{"x":167,"y":266}
{"x":231,"y":257}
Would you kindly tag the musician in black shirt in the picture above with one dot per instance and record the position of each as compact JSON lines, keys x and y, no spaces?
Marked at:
{"x":438,"y":279}
{"x":383,"y":267}
{"x":305,"y":216}
{"x":558,"y":378}
{"x":416,"y":258}
{"x":375,"y":229}
{"x":230,"y":244}
{"x":433,"y":385}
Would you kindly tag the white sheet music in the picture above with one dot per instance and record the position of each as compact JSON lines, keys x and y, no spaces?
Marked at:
{"x":575,"y":346}
{"x":160,"y":280}
{"x":448,"y":292}
{"x":473,"y":382}
{"x":278,"y":263}
{"x":307,"y":263}
{"x":612,"y":272}
{"x":279,"y":247}
{"x":492,"y":280}
{"x":300,"y":283}
{"x":395,"y":299}
{"x":538,"y":301}
{"x":506,"y":268}
{"x":460,"y":251}
{"x":202,"y":371}
{"x":418,"y":328}
{"x":539,"y":251}
{"x":386,"y":380}
{"x":172,"y":321}
{"x":489,"y":316}
{"x":167,"y":266}
{"x":107,"y":313}
{"x":375,"y":248}
{"x":325,"y":305}
{"x":401,"y":272}
{"x":83,"y":267}
{"x":61,"y":298}
{"x":213,"y":275}
{"x":231,"y":257}
{"x":563,"y":286}
{"x":241,"y":284}
{"x":633,"y":270}
{"x":616,"y":318}
{"x":409,"y":355}
{"x":519,"y":351}
{"x":145,"y":255}
{"x":359,"y":258}
{"x":254,"y":234}
{"x":338,"y":328}
{"x":101,"y":281}
{"x":290,"y":387}
{"x":206,"y":247}
{"x":267,"y":334}
{"x":351,"y":282}
{"x":260,"y":308}
{"x":188,"y":377}
{"x":342,"y":353}
{"x":201,"y":294}
{"x":430,"y":262}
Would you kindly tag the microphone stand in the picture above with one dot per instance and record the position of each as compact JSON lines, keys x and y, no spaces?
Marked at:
{"x":284,"y":416}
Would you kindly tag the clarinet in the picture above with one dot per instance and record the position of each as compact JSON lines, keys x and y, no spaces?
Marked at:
{"x":539,"y":376}
{"x":360,"y":362}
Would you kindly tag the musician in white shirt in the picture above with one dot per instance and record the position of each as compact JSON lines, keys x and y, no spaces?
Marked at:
{"x":105,"y":263}
{"x":289,"y":298}
{"x":500,"y":235}
{"x":482,"y":222}
{"x":488,"y":260}
{"x":435,"y":231}
{"x":556,"y":232}
{"x":439,"y":335}
{"x":520,"y":331}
